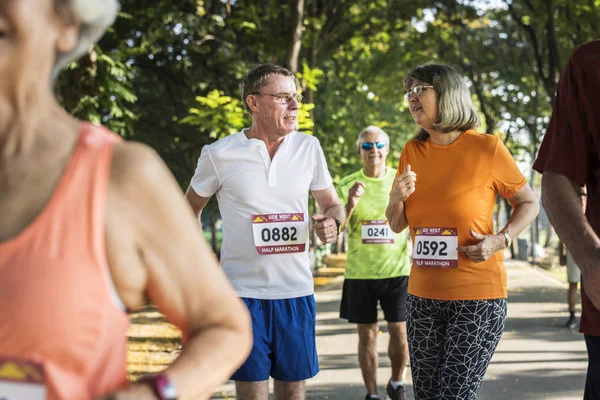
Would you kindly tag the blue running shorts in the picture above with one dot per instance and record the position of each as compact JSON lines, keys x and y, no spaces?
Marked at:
{"x":284,"y":344}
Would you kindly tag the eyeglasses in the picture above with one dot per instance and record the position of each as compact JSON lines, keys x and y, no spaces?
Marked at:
{"x":417,"y":90}
{"x":282,"y":98}
{"x":369,"y":145}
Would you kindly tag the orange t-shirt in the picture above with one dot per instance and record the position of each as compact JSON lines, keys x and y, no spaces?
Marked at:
{"x":455,"y":191}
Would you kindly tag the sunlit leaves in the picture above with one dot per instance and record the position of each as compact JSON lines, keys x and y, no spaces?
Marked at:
{"x":217,"y":115}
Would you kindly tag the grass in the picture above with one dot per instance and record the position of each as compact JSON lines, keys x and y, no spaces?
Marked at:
{"x":153,"y":343}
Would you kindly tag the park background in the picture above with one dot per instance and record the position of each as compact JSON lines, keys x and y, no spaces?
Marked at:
{"x":167,"y":74}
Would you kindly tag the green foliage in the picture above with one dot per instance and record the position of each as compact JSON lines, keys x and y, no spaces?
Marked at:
{"x":167,"y":73}
{"x":98,"y":88}
{"x":217,"y":115}
{"x":305,"y":122}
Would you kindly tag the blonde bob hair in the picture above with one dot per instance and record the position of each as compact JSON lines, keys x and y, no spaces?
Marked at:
{"x":456,"y":111}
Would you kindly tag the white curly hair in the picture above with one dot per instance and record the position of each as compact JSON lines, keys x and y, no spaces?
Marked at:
{"x":95,"y":16}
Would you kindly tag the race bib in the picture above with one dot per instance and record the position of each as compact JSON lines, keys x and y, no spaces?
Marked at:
{"x":436,"y":247}
{"x":21,"y":380}
{"x":377,"y":232}
{"x":279,"y":233}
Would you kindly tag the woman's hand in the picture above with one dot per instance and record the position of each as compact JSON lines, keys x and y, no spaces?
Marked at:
{"x":404,"y":185}
{"x":487,"y":245}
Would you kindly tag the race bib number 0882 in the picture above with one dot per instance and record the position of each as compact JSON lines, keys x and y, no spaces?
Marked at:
{"x":436,"y":247}
{"x":275,"y":234}
{"x":279,"y":233}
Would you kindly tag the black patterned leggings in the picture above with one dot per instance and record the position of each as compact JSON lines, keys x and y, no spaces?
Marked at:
{"x":451,"y":344}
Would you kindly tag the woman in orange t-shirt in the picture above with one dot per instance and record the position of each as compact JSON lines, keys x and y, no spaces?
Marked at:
{"x":456,"y":306}
{"x":90,"y":227}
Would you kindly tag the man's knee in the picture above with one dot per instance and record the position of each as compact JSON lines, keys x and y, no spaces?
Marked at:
{"x":367,"y":333}
{"x":293,"y":390}
{"x":246,"y":390}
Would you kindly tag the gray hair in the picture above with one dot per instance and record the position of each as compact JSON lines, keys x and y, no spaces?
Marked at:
{"x":371,"y":129}
{"x":258,"y":77}
{"x":95,"y":16}
{"x":455,"y":106}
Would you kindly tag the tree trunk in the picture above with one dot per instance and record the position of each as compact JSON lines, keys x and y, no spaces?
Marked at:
{"x":534,"y":239}
{"x":295,"y":41}
{"x":535,"y":225}
{"x":508,"y":210}
{"x":498,"y":221}
{"x":562,"y":253}
{"x":314,"y":50}
{"x":549,"y":236}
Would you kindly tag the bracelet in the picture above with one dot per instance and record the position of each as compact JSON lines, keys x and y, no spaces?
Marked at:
{"x":507,"y":239}
{"x":161,"y":386}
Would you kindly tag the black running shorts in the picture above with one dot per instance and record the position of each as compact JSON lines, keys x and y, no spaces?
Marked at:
{"x":360,"y":298}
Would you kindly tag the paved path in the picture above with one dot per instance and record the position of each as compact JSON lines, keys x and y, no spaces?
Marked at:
{"x":536,"y":359}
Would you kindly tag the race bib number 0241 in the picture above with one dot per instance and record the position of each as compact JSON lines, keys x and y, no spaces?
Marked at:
{"x":377,"y":232}
{"x":436,"y":247}
{"x":20,"y":380}
{"x":279,"y":233}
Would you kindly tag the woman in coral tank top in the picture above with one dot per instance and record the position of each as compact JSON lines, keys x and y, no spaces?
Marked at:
{"x":445,"y":190}
{"x":92,"y":226}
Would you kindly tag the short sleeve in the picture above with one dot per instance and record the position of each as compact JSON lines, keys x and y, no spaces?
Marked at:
{"x":564,"y":149}
{"x":205,"y":181}
{"x":507,"y":179}
{"x":321,"y":176}
{"x":404,"y":158}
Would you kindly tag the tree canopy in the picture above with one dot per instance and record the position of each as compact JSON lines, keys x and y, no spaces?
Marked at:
{"x":167,"y":73}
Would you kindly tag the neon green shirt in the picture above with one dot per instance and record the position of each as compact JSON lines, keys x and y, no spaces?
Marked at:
{"x":374,"y":251}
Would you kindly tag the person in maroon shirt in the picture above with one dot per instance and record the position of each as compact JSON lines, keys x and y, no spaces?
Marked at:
{"x":569,"y":158}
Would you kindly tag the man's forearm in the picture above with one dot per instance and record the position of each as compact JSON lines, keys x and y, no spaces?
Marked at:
{"x":562,"y":201}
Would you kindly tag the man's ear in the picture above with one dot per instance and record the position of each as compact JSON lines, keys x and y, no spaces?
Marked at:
{"x":68,"y":38}
{"x":252,"y":103}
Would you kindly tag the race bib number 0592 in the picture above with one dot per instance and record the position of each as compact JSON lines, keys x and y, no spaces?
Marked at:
{"x":20,"y":379}
{"x":436,"y":247}
{"x":279,"y":233}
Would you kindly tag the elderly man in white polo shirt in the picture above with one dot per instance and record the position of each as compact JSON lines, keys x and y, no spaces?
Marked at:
{"x":261,"y":177}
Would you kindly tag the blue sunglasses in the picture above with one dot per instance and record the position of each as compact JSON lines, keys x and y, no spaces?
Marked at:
{"x":370,"y":145}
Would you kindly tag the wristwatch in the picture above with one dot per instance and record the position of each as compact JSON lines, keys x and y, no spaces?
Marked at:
{"x":338,"y":224}
{"x":161,"y":386}
{"x":507,"y":238}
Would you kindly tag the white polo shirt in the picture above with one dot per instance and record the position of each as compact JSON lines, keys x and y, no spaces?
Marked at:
{"x":264,"y":206}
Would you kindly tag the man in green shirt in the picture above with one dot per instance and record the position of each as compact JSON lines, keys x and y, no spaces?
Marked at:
{"x":378,"y":265}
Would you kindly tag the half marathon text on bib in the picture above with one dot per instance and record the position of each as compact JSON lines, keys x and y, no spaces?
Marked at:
{"x":377,"y":232}
{"x":436,"y":247}
{"x":21,"y":380}
{"x":279,"y":233}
